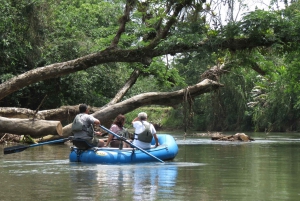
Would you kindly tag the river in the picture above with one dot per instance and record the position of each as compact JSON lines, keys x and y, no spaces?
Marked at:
{"x":265,"y":169}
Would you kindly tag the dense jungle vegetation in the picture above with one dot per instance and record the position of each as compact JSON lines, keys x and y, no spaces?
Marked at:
{"x":261,"y":82}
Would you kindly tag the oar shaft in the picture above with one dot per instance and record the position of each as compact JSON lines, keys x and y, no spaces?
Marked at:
{"x":49,"y":142}
{"x":19,"y":148}
{"x":125,"y":140}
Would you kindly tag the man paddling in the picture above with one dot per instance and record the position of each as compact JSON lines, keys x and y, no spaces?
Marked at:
{"x":82,"y":127}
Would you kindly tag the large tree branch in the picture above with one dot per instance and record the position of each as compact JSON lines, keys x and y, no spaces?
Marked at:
{"x":142,"y":55}
{"x":212,"y":44}
{"x":106,"y":114}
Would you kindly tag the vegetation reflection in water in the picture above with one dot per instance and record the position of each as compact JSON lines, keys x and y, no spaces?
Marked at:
{"x":140,"y":181}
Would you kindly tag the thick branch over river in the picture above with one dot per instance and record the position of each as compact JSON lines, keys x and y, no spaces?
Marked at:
{"x":106,"y":114}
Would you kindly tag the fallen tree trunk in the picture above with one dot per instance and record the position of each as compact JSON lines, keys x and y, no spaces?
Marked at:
{"x":107,"y":113}
{"x":34,"y":128}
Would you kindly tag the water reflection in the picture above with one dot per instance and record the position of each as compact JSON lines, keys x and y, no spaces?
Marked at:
{"x":153,"y":181}
{"x":149,"y":181}
{"x":144,"y":181}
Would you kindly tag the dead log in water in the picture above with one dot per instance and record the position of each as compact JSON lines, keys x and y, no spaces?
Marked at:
{"x":237,"y":137}
{"x":33,"y":127}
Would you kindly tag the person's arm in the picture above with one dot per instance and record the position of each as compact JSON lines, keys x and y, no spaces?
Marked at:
{"x":153,"y":131}
{"x":110,"y":137}
{"x":96,"y":123}
{"x":156,"y":139}
{"x":135,"y":119}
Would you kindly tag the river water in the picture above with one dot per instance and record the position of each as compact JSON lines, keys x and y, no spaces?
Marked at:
{"x":265,"y":169}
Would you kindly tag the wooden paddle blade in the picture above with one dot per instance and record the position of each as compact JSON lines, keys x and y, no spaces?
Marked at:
{"x":15,"y":149}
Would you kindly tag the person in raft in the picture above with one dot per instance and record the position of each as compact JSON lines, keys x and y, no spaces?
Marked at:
{"x":82,"y":127}
{"x":118,"y":128}
{"x":143,"y":132}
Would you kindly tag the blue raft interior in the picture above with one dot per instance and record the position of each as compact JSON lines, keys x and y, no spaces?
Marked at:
{"x":82,"y":152}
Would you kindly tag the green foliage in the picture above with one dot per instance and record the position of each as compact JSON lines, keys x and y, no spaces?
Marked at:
{"x":276,"y":25}
{"x":21,"y":39}
{"x":232,"y":30}
{"x":62,"y":31}
{"x":80,"y":28}
{"x":95,"y":86}
{"x":275,"y":96}
{"x":38,"y":33}
{"x":157,"y":77}
{"x":20,"y":36}
{"x":215,"y":111}
{"x":260,"y":23}
{"x":166,"y":76}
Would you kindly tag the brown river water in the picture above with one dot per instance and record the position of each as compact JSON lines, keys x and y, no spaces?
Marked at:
{"x":265,"y":169}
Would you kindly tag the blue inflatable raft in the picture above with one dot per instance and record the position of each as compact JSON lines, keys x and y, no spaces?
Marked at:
{"x":167,"y":150}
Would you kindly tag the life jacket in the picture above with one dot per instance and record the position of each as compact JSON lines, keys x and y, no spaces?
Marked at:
{"x":146,"y":135}
{"x":124,"y":133}
{"x":79,"y":125}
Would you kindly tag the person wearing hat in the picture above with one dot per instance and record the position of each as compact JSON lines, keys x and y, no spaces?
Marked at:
{"x":143,"y":132}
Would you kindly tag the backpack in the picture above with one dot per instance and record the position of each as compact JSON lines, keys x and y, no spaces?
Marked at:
{"x":123,"y":133}
{"x":146,"y":135}
{"x":78,"y":125}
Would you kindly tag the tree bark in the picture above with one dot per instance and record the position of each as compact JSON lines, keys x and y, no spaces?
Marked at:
{"x":32,"y":127}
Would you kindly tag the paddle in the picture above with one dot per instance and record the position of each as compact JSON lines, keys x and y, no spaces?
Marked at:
{"x":125,"y":140}
{"x":19,"y":148}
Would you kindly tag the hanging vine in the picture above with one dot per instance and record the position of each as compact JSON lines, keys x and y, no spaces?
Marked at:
{"x":188,"y":113}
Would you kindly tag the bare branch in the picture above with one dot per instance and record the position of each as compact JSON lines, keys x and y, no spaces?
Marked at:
{"x":130,"y":82}
{"x":164,"y":32}
{"x":123,"y":20}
